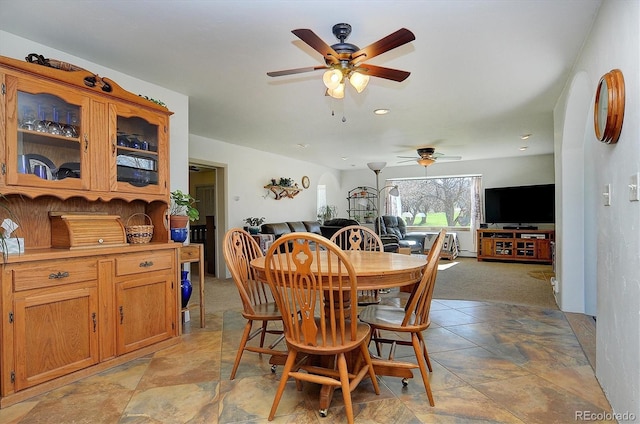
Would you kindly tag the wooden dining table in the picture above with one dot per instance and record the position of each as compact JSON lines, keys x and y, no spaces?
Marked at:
{"x":375,"y":270}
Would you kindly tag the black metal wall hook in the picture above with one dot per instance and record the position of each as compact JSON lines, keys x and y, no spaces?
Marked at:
{"x":37,"y":58}
{"x":92,"y":81}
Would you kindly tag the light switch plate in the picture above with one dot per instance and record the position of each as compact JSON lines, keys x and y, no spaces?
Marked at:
{"x":606,"y":194}
{"x":633,"y":187}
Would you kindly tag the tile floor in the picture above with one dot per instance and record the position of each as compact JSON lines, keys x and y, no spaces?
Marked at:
{"x":493,"y":363}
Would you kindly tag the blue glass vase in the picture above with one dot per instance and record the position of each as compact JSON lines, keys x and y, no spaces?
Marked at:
{"x":179,"y":234}
{"x":186,"y":288}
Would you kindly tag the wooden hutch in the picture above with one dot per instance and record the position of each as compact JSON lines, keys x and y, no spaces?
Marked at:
{"x":81,"y":159}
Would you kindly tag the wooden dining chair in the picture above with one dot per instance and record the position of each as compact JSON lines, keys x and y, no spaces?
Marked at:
{"x":258,"y":304}
{"x":313,"y":282}
{"x":359,"y":237}
{"x":412,"y":319}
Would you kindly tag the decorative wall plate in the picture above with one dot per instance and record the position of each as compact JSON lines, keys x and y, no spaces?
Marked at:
{"x":608,"y":112}
{"x":305,"y":182}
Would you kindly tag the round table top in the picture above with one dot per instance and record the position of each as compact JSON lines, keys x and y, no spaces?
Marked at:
{"x":375,"y":270}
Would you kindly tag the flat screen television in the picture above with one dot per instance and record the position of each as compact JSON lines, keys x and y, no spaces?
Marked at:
{"x":533,"y":204}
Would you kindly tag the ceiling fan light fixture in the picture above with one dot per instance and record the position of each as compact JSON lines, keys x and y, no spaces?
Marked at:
{"x":336,"y":93}
{"x":332,"y":78}
{"x":425,"y":162}
{"x":359,"y":81}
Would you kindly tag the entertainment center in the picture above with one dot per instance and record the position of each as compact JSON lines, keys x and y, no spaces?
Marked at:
{"x":516,"y":241}
{"x":515,"y":245}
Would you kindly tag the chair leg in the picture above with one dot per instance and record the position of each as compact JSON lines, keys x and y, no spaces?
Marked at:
{"x":423,"y":367}
{"x":346,"y":392}
{"x":291,"y":359}
{"x":243,"y":343}
{"x":372,"y":374}
{"x":263,"y":333}
{"x":375,"y":334}
{"x":426,"y":354}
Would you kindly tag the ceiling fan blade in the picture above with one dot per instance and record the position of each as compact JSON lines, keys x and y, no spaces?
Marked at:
{"x":408,"y":160}
{"x":295,"y":71}
{"x":382,"y":72}
{"x":449,"y":157}
{"x":407,"y":157}
{"x":391,"y":41}
{"x":317,"y":44}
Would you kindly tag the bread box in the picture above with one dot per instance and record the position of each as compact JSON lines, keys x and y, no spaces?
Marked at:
{"x":70,"y":230}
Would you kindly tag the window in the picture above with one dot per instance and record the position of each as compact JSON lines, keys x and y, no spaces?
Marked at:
{"x":437,"y":201}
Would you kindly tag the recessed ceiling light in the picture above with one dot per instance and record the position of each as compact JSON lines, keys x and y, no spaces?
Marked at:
{"x":525,"y":136}
{"x":302,"y":146}
{"x":381,"y":111}
{"x":344,"y":158}
{"x":523,"y":148}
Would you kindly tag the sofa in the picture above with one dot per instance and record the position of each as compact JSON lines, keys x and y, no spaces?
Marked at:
{"x":331,"y":226}
{"x":394,"y":230}
{"x":280,"y":228}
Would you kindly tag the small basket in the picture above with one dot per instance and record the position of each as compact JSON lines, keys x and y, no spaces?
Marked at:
{"x":139,"y":234}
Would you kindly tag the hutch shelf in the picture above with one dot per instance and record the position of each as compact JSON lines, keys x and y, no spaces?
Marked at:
{"x":78,"y":158}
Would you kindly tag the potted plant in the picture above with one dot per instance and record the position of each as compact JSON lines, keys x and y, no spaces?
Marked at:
{"x":327,"y":212}
{"x":182,"y":209}
{"x":254,"y":224}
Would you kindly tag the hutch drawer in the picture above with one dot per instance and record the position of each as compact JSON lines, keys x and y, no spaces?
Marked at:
{"x":50,"y":273}
{"x":144,"y":262}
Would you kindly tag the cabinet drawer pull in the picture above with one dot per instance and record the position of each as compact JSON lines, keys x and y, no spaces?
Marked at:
{"x":59,"y":275}
{"x":95,"y":321}
{"x":146,"y":264}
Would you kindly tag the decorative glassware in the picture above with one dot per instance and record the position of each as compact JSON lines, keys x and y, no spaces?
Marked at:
{"x":186,"y":288}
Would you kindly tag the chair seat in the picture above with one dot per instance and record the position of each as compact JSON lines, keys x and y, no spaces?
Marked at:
{"x":386,"y":317}
{"x":264,"y":311}
{"x":363,"y":331}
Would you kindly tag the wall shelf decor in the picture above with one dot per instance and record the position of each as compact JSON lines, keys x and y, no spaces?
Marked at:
{"x":281,"y":192}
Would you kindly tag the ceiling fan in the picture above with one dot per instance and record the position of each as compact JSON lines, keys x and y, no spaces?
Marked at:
{"x":344,"y":61}
{"x":427,"y":156}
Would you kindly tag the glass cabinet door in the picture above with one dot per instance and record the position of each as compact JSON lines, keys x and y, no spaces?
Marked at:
{"x":139,"y":146}
{"x":46,"y":142}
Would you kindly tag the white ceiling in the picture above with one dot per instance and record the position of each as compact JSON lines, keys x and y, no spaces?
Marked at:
{"x":482,"y":72}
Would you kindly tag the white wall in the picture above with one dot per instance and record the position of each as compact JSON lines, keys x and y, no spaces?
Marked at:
{"x":614,"y":230}
{"x":525,"y":170}
{"x":18,"y":48}
{"x":249,"y":170}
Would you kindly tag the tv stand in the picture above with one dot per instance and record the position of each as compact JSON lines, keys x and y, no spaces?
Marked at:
{"x":516,"y":245}
{"x":520,"y":227}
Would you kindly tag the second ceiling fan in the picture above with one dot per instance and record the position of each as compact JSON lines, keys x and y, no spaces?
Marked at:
{"x":427,"y":156}
{"x":344,"y":61}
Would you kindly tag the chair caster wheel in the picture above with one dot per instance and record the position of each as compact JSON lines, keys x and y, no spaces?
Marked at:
{"x":273,"y":368}
{"x":405,"y":382}
{"x":324,"y":413}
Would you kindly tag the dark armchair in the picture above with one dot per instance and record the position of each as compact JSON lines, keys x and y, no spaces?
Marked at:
{"x":331,"y":226}
{"x":394,"y":229}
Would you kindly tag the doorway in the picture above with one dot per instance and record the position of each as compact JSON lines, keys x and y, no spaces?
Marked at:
{"x":204,"y":183}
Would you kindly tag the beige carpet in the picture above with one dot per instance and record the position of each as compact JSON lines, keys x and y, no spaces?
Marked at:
{"x":505,"y":282}
{"x":460,"y":279}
